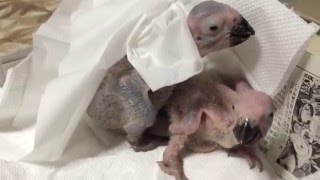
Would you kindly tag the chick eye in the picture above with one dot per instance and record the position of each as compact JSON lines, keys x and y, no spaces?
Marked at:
{"x":213,"y":28}
{"x":232,"y":107}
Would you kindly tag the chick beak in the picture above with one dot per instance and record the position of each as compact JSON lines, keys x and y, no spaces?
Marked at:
{"x":241,"y":32}
{"x":247,"y":134}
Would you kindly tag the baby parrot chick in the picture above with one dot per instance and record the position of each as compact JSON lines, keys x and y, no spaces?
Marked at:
{"x":206,"y":114}
{"x":124,"y":101}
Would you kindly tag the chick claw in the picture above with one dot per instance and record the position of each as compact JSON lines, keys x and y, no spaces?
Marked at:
{"x":172,"y":169}
{"x":143,"y":147}
{"x":148,"y":146}
{"x":247,"y":153}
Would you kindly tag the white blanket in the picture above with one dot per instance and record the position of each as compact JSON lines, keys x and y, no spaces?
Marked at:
{"x":44,"y":98}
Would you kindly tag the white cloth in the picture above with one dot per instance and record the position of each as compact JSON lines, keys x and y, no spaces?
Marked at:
{"x":45,"y":96}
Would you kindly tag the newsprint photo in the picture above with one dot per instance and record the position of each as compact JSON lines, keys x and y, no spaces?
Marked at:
{"x":293,"y":142}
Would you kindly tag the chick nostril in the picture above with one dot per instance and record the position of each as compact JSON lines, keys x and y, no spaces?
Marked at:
{"x":271,"y":115}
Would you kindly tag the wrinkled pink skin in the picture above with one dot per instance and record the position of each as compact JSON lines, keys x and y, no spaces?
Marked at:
{"x":208,"y":14}
{"x":203,"y":119}
{"x":124,"y":101}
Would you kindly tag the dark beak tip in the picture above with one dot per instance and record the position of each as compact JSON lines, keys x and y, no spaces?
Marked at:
{"x":252,"y":32}
{"x":241,"y":32}
{"x":246,"y":135}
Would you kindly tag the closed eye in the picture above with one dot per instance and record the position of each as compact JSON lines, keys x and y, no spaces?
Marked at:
{"x":213,"y":28}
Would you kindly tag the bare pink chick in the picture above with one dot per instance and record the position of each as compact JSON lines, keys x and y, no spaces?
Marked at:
{"x":207,"y":114}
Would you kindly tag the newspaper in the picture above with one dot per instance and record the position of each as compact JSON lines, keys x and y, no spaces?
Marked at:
{"x":292,"y":144}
